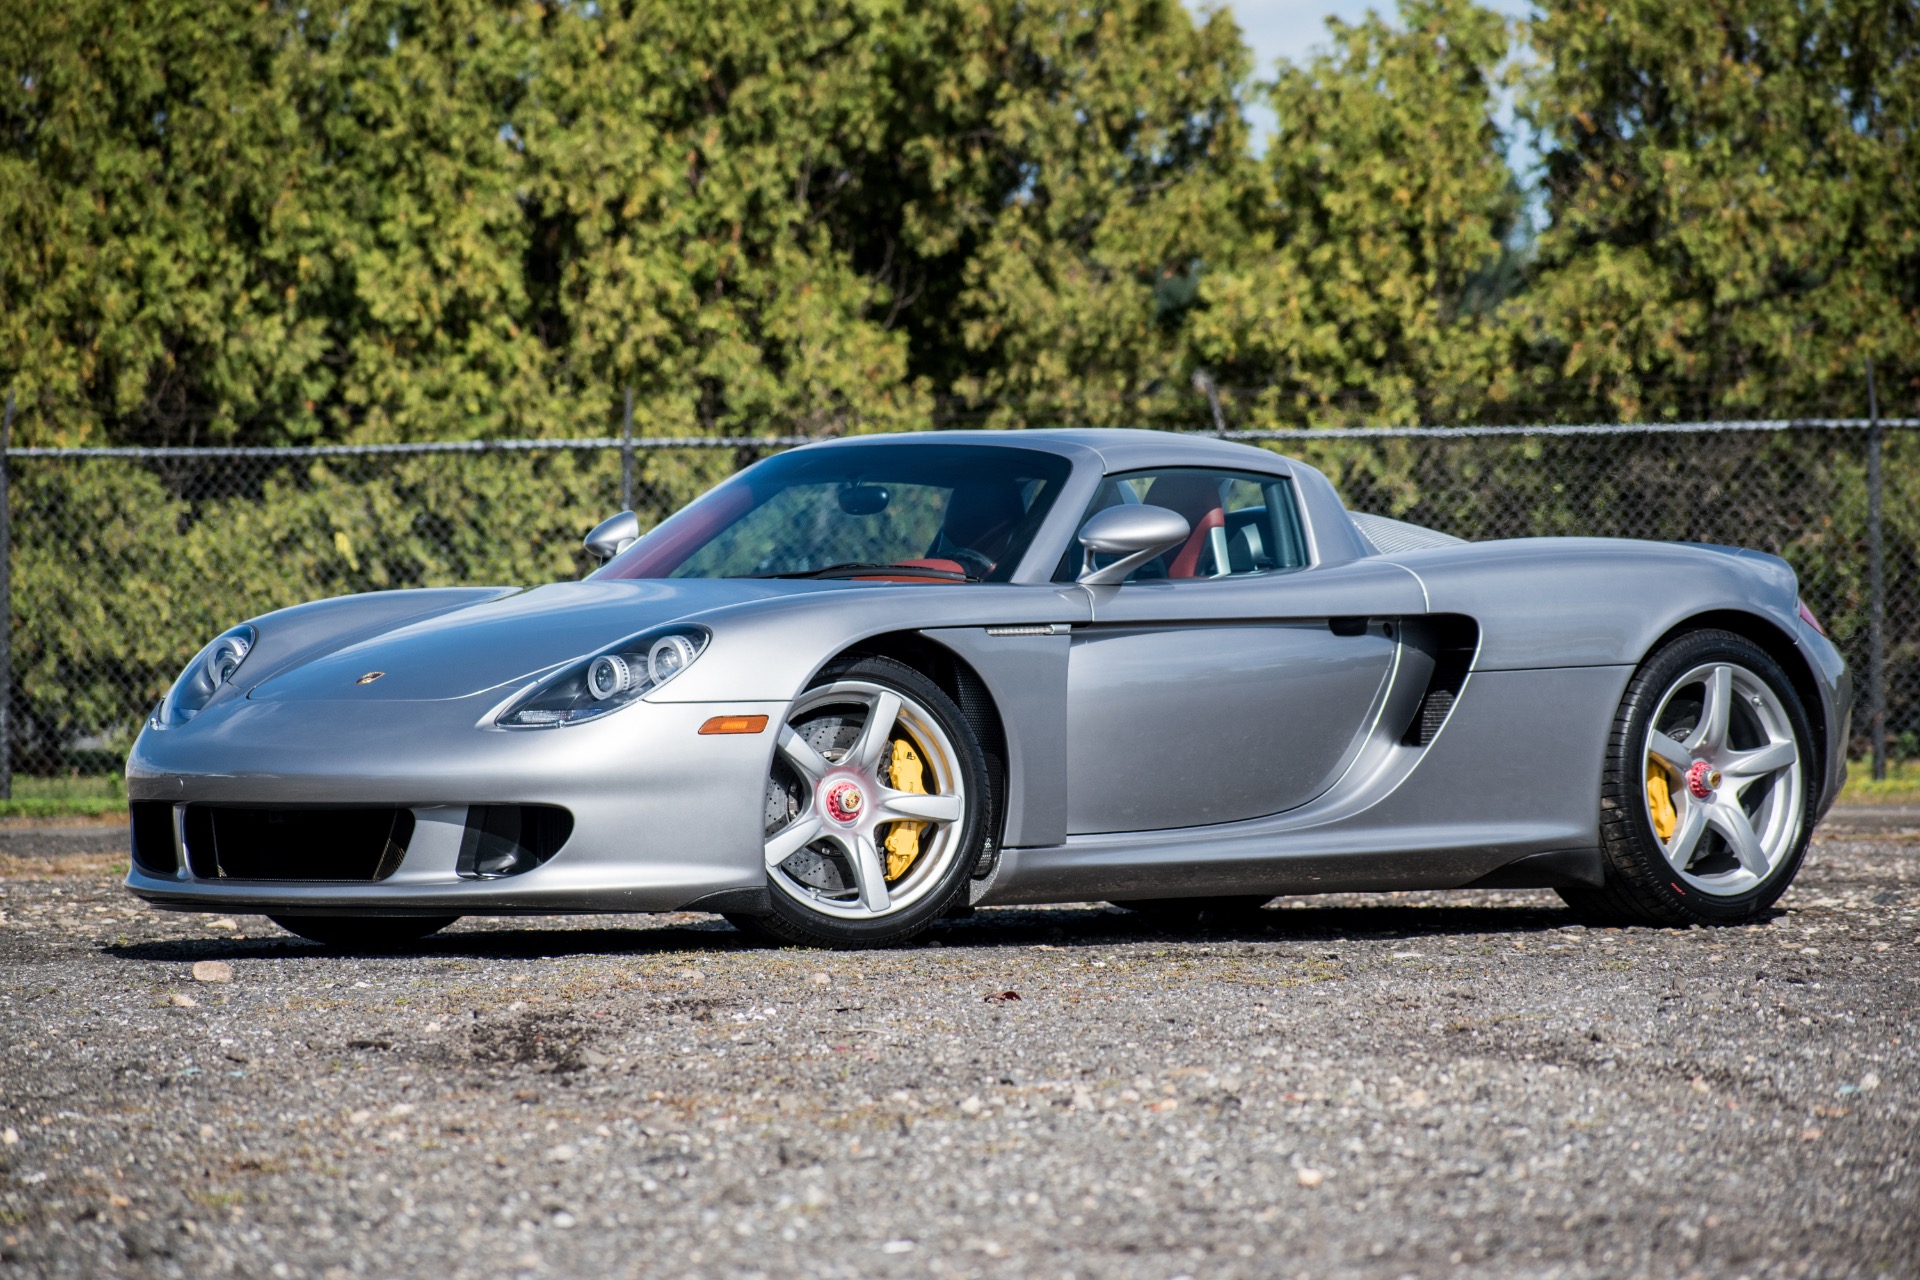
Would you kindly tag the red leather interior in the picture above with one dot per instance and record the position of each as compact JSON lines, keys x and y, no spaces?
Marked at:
{"x":1186,"y":561}
{"x":881,"y":575}
{"x":1197,"y":497}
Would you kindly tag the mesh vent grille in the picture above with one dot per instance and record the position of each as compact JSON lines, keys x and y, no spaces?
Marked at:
{"x":1389,"y":536}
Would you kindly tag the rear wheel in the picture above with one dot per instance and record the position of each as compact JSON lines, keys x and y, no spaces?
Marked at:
{"x":1708,"y":794}
{"x":877,"y":807}
{"x":363,"y":933}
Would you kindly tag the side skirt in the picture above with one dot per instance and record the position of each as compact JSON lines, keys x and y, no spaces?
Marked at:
{"x":1555,"y":869}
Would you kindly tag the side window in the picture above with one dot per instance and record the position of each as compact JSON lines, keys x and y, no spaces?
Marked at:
{"x":1240,"y":522}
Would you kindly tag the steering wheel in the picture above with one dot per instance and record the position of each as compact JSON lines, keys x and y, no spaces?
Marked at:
{"x":976,"y":565}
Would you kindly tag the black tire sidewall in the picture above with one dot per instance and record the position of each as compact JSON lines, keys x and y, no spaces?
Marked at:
{"x":791,"y":921}
{"x":1632,"y":849}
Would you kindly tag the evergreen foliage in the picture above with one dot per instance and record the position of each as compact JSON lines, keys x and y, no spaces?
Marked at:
{"x":398,"y":219}
{"x":1734,"y":202}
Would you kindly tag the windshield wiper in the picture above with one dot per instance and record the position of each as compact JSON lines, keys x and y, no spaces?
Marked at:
{"x":858,"y":569}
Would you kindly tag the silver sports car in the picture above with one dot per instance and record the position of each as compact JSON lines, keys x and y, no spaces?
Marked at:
{"x":874,"y":681}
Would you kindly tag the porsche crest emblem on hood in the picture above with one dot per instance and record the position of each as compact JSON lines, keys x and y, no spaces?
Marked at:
{"x":370,"y":677}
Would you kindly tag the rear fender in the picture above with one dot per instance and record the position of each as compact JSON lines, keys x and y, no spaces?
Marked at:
{"x":1592,"y":602}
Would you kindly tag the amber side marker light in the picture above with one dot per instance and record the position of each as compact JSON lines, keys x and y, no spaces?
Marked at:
{"x":734,"y":724}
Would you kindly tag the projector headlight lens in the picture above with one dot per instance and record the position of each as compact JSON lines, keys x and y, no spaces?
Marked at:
{"x":608,"y":676}
{"x":602,"y":682}
{"x":669,"y":656}
{"x":211,"y":668}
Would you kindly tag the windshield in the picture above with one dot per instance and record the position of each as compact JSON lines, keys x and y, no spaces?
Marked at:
{"x":915,"y":512}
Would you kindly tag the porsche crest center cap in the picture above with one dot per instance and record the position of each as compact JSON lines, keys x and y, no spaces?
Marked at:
{"x":844,"y":801}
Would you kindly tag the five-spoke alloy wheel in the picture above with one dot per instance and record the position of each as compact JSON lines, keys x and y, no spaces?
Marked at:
{"x":1708,"y":793}
{"x":874,"y":808}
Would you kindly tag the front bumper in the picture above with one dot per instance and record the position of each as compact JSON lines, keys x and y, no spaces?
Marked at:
{"x":663,"y":818}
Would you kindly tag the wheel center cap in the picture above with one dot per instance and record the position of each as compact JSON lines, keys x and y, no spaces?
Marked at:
{"x":844,"y":802}
{"x":1702,"y":779}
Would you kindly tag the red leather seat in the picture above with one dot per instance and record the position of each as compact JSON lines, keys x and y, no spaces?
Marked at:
{"x":1197,"y":497}
{"x":1186,"y":561}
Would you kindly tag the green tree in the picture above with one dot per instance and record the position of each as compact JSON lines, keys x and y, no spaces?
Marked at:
{"x":1734,"y":193}
{"x":1093,"y":163}
{"x":142,"y":270}
{"x":693,"y":175}
{"x":1380,"y":242}
{"x":429,"y":218}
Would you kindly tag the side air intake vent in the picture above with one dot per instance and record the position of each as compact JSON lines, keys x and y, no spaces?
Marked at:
{"x":1433,"y":713}
{"x":1455,"y":640}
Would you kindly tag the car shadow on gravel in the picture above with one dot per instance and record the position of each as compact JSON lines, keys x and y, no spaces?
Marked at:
{"x":992,"y":928}
{"x":511,"y":943}
{"x":1026,"y":926}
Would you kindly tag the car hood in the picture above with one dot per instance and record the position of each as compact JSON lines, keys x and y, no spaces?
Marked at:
{"x":499,"y":643}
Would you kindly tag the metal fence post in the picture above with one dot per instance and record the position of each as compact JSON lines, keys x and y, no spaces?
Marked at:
{"x":1203,"y":383}
{"x":1876,"y":587}
{"x":626,"y":455}
{"x":6,"y":607}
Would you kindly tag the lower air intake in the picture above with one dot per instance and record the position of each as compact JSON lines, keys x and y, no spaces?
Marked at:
{"x":232,"y":843}
{"x":151,"y":823}
{"x":507,"y":839}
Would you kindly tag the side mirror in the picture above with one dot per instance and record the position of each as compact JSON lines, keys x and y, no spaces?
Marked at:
{"x":613,"y":535}
{"x":1134,"y":533}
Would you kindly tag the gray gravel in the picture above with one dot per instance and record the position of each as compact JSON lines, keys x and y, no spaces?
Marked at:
{"x":41,"y":840}
{"x":1387,"y":1085}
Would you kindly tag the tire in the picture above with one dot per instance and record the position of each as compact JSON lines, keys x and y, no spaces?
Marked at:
{"x":1196,"y":913}
{"x":363,"y":933}
{"x":1719,"y":723}
{"x":834,"y":802}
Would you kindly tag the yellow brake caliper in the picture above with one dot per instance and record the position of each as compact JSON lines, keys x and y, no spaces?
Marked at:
{"x":903,"y":838}
{"x":1660,"y":802}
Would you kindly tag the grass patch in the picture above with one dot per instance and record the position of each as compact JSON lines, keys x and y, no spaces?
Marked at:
{"x":66,"y":796}
{"x":100,"y":795}
{"x":1900,"y":786}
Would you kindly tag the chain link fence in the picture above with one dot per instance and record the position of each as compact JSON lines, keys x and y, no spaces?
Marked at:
{"x":124,"y":561}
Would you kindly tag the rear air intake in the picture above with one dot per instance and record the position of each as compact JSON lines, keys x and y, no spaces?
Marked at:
{"x":233,"y":843}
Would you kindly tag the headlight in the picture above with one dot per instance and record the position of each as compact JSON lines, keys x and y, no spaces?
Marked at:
{"x":212,"y":667}
{"x":592,"y":686}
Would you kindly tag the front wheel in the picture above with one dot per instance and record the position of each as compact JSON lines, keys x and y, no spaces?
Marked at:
{"x":877,"y":809}
{"x":363,"y":933}
{"x":1708,"y":794}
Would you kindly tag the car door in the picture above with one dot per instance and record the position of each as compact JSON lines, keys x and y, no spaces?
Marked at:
{"x":1230,"y":678}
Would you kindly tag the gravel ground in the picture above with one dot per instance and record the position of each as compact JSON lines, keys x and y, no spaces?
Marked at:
{"x":1380,"y":1085}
